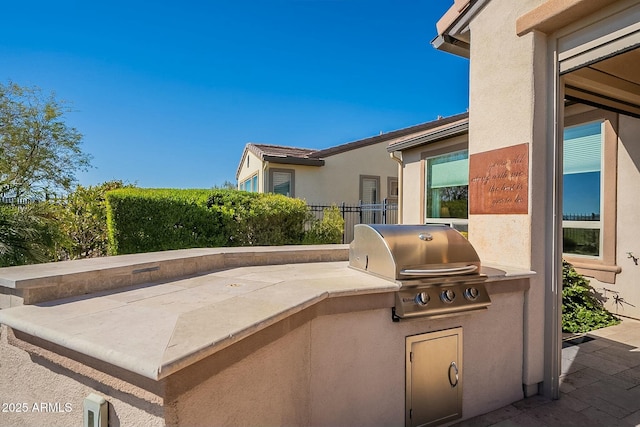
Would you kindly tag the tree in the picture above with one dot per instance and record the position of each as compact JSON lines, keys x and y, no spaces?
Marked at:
{"x":39,"y":153}
{"x":227,"y":185}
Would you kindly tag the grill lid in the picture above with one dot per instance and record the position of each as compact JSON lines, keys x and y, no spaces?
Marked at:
{"x":401,"y":252}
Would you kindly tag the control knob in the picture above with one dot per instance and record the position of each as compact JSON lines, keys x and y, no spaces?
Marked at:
{"x":422,"y":298}
{"x":448,"y":296}
{"x":471,"y":293}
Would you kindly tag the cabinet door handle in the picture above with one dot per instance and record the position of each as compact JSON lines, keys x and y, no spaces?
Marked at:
{"x":453,"y":379}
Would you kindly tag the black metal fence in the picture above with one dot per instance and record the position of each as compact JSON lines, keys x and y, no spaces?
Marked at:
{"x":581,"y":217}
{"x":375,"y":213}
{"x":15,"y":201}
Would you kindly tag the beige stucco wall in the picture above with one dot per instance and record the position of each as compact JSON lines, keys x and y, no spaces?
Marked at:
{"x":349,"y":369}
{"x":507,"y":107}
{"x":270,"y":387}
{"x":339,"y":179}
{"x":53,"y":394}
{"x":412,"y":186}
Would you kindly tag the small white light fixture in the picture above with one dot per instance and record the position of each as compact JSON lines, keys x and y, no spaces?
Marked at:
{"x":96,"y":411}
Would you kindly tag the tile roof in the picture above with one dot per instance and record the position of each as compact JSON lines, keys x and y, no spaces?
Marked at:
{"x":313,"y":157}
{"x":434,"y":131}
{"x":262,"y":150}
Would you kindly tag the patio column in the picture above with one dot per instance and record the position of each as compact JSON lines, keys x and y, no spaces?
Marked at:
{"x":511,"y":163}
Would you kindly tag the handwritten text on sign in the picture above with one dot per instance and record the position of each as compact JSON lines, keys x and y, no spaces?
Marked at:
{"x":499,"y":181}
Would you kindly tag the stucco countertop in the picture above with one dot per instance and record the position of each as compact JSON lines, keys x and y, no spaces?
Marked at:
{"x":157,"y":329}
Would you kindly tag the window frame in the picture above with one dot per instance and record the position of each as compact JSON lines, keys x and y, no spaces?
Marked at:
{"x":292,"y":175}
{"x":461,"y":224}
{"x":250,"y":180}
{"x":392,"y":182}
{"x":361,"y":190}
{"x":603,"y":267}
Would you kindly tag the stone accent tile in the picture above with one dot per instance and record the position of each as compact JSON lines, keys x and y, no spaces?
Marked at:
{"x":209,"y":263}
{"x":37,"y":295}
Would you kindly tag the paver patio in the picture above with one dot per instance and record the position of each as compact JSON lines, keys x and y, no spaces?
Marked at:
{"x":599,"y":385}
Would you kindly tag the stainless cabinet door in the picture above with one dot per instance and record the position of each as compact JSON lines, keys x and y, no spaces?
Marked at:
{"x":434,"y":378}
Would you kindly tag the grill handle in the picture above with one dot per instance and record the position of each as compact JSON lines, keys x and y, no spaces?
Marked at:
{"x":440,"y":271}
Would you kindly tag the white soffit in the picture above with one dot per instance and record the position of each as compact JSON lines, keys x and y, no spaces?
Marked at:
{"x":603,"y":39}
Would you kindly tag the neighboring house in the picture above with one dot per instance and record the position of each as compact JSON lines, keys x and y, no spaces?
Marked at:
{"x":551,"y":151}
{"x":358,"y":171}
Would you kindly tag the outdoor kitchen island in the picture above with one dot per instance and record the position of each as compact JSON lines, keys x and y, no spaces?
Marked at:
{"x":300,"y":339}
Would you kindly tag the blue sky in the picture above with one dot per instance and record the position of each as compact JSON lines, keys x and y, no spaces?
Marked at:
{"x":167,"y":94}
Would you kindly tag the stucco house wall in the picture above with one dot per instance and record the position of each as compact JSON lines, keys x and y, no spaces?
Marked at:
{"x":332,"y":175}
{"x":339,"y":179}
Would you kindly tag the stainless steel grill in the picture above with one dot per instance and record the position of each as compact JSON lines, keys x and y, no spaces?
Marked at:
{"x":437,"y":268}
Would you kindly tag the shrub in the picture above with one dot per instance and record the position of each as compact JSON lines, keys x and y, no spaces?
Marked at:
{"x":27,"y":234}
{"x":256,"y":219}
{"x":326,"y":231}
{"x":582,"y":311}
{"x":147,"y":220}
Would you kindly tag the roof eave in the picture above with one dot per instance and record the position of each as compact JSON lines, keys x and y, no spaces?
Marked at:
{"x":446,"y":43}
{"x":293,"y":161}
{"x":453,"y":27}
{"x":456,"y":129}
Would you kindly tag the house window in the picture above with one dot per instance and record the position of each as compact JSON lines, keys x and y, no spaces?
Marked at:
{"x":392,"y":187}
{"x":370,"y":194}
{"x":282,"y":181}
{"x":447,"y":188}
{"x":590,"y":192}
{"x":582,"y":190}
{"x":250,"y":184}
{"x":369,"y":189}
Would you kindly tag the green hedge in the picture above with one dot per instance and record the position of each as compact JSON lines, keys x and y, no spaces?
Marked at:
{"x":147,"y":220}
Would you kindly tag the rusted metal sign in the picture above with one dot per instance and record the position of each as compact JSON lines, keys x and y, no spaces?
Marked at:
{"x":499,"y":181}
